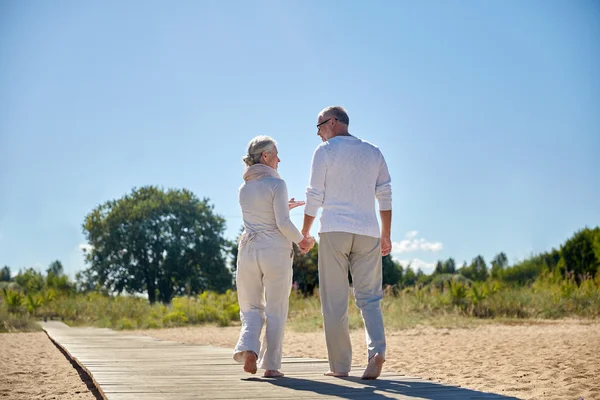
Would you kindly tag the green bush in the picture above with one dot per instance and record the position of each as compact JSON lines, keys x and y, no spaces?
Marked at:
{"x":448,"y":301}
{"x":175,"y":318}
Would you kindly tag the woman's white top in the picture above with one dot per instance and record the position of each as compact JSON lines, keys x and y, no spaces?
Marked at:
{"x":264,"y":201}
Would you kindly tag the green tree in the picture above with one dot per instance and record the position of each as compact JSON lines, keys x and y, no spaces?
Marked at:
{"x":55,"y":268}
{"x":449,"y":266}
{"x":422,"y":278}
{"x":306,"y":270}
{"x":476,"y":271}
{"x":410,"y":278}
{"x":578,"y":255}
{"x":5,"y":274}
{"x":524,"y":272}
{"x":499,"y":262}
{"x":55,"y":277}
{"x":86,"y":281}
{"x":162,"y":243}
{"x":391,"y":270}
{"x":439,"y":268}
{"x":31,"y":280}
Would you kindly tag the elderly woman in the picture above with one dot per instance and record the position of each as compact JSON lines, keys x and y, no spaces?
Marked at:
{"x":264,"y":264}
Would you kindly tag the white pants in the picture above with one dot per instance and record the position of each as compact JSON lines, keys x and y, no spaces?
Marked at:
{"x":337,"y":251}
{"x":260,"y":272}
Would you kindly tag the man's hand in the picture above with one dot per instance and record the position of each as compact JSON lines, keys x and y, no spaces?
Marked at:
{"x":386,"y":245}
{"x":306,"y":244}
{"x":293,"y":203}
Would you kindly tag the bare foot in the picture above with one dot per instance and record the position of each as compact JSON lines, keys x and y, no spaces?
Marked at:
{"x":272,"y":373}
{"x":250,"y":362}
{"x":336,"y":374}
{"x":374,"y":367}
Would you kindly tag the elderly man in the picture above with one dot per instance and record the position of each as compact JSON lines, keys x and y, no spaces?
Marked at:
{"x":347,"y":174}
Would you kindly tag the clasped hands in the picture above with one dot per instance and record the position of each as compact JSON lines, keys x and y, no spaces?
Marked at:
{"x":306,"y":244}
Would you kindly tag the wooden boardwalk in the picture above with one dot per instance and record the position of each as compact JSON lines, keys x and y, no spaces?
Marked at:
{"x":127,"y":367}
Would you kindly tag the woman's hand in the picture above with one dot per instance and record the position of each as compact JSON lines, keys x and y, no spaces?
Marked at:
{"x":306,"y":244}
{"x":293,"y":203}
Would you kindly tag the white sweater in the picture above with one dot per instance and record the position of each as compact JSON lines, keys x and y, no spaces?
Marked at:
{"x":347,"y":175}
{"x":266,"y":213}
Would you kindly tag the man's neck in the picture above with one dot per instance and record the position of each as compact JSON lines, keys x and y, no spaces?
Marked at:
{"x":344,"y":133}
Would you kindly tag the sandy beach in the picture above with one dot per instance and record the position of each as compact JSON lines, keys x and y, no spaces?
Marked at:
{"x":542,"y":360}
{"x":33,"y":368}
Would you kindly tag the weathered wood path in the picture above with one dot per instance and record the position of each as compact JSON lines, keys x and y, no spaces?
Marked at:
{"x":127,"y":367}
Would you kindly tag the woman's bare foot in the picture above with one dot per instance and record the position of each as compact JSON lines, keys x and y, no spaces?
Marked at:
{"x":272,"y":373}
{"x":374,"y":367}
{"x":336,"y":374}
{"x":250,"y":362}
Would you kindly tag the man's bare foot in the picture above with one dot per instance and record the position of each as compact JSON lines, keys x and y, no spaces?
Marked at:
{"x":272,"y":373}
{"x":336,"y":374}
{"x":374,"y":367}
{"x":250,"y":362}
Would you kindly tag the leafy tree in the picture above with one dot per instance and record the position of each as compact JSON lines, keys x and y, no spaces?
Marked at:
{"x":476,"y":271}
{"x":499,"y":262}
{"x":391,"y":270}
{"x":578,"y":253}
{"x":449,"y":266}
{"x":56,"y":279}
{"x":439,"y":268}
{"x":306,"y":271}
{"x":552,"y":258}
{"x":31,"y":280}
{"x":525,"y":272}
{"x":5,"y":274}
{"x":85,"y":281}
{"x":444,"y":280}
{"x":410,"y":278}
{"x":422,"y":278}
{"x":162,"y":243}
{"x":56,"y":268}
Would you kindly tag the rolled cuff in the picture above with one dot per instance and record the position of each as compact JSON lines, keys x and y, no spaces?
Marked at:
{"x":311,"y":209}
{"x":384,"y":197}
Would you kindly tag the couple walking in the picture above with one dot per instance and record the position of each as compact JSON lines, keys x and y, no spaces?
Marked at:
{"x":346,"y":176}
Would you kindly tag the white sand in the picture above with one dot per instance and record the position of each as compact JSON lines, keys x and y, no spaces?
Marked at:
{"x":542,"y":360}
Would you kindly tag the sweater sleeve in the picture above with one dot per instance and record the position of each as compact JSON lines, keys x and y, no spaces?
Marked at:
{"x":282,"y":213}
{"x":383,"y":187}
{"x":315,"y":193}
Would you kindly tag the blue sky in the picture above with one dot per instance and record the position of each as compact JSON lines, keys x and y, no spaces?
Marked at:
{"x":487,"y":113}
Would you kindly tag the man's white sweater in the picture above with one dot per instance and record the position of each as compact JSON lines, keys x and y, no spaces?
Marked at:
{"x":347,"y":175}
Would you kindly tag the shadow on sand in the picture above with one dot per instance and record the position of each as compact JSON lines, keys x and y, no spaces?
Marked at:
{"x":390,"y":387}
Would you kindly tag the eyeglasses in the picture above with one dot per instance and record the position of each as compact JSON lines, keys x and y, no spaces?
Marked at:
{"x":324,"y":122}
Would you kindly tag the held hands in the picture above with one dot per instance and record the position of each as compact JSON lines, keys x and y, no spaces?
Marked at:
{"x":293,"y":203}
{"x":306,"y":244}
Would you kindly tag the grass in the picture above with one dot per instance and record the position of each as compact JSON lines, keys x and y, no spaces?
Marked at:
{"x":10,"y":322}
{"x":455,"y":305}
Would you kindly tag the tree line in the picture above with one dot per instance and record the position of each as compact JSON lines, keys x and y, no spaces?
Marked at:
{"x":171,"y":243}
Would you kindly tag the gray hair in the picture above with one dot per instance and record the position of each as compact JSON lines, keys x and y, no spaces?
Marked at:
{"x":336,"y":112}
{"x":256,"y":147}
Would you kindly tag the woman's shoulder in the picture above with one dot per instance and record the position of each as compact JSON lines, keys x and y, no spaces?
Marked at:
{"x":273,"y":180}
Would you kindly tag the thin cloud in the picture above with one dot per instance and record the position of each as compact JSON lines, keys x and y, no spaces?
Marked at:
{"x":417,"y":264}
{"x":412,"y":234}
{"x":85,"y":247}
{"x":412,"y":243}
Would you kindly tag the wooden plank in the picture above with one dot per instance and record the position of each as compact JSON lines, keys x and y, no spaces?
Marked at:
{"x":127,"y":367}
